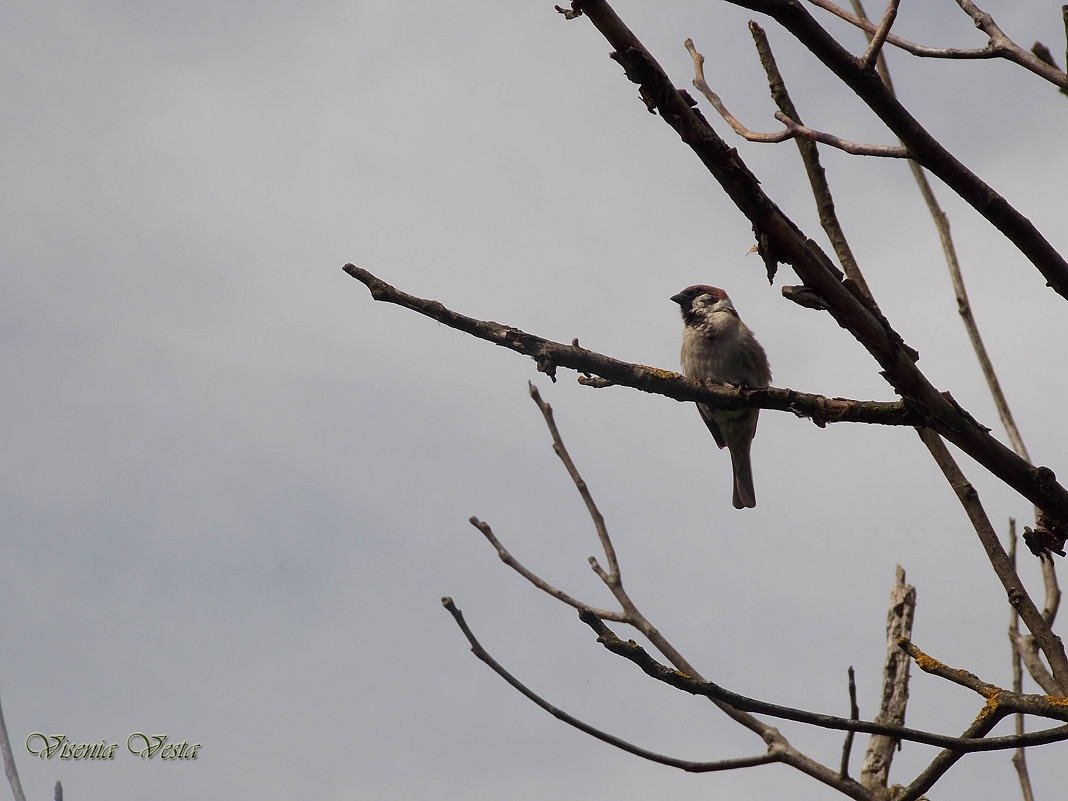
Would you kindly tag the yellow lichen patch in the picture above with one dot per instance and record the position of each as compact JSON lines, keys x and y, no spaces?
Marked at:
{"x":989,"y":707}
{"x":658,"y":372}
{"x":1056,"y":700}
{"x":927,"y":663}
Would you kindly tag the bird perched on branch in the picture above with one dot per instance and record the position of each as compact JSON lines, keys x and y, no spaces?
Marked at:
{"x":717,"y":346}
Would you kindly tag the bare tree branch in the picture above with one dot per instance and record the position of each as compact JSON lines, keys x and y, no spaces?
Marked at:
{"x":793,"y":130}
{"x":1045,"y":55}
{"x":550,"y":355}
{"x":1013,"y":52}
{"x":781,"y":240}
{"x":1049,"y":642}
{"x":924,"y":147}
{"x":810,"y":157}
{"x":776,"y":743}
{"x":947,"y":758}
{"x":623,"y":745}
{"x":537,"y":580}
{"x":633,"y":652}
{"x":613,"y":577}
{"x":875,"y":41}
{"x":999,"y":704}
{"x":875,"y":772}
{"x":1049,"y":572}
{"x":1019,"y":756}
{"x":10,"y":770}
{"x":854,"y":714}
{"x":1028,"y":650}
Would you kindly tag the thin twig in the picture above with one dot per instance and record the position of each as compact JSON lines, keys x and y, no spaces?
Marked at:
{"x":875,"y":42}
{"x":1003,"y":48}
{"x":538,"y":581}
{"x":580,"y":484}
{"x":964,"y":307}
{"x":854,"y":714}
{"x":1019,"y":757}
{"x":1028,"y":650}
{"x":570,"y":720}
{"x":792,"y":130}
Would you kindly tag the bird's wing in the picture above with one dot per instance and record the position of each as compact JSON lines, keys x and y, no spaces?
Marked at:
{"x":708,"y":416}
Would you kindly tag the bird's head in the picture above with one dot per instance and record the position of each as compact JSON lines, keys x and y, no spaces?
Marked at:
{"x":700,"y":301}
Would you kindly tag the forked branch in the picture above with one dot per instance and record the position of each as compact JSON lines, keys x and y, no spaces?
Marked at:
{"x":683,"y":764}
{"x":793,"y":129}
{"x":998,"y":46}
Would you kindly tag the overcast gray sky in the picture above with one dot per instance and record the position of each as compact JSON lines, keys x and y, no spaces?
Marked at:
{"x":234,"y":488}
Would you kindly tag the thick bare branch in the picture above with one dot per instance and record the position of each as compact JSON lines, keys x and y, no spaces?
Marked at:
{"x":550,"y":355}
{"x":781,"y":240}
{"x":895,"y":694}
{"x":1049,"y":571}
{"x":964,"y":307}
{"x":623,"y":745}
{"x":924,"y":147}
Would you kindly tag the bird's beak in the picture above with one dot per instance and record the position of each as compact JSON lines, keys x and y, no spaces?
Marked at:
{"x":678,"y":298}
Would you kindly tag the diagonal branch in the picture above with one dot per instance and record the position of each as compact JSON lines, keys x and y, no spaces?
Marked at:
{"x":538,"y":581}
{"x":613,"y":575}
{"x":1049,"y":572}
{"x":623,"y":745}
{"x":924,"y":147}
{"x":810,"y":157}
{"x":875,"y":43}
{"x":633,"y":652}
{"x":947,"y":758}
{"x":782,"y":241}
{"x":1049,"y":642}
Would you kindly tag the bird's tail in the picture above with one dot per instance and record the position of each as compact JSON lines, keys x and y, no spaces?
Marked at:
{"x":744,"y":494}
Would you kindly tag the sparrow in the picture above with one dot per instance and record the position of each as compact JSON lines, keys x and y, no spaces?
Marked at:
{"x":717,"y":346}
